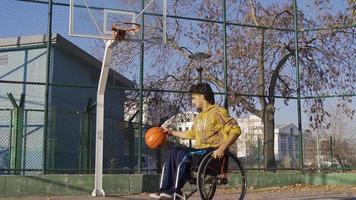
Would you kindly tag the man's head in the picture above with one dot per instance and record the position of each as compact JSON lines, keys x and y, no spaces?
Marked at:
{"x":201,"y":94}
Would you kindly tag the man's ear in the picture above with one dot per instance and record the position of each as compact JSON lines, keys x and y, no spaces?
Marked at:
{"x":202,"y":96}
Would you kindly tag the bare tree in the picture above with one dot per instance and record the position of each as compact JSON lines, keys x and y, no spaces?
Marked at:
{"x":261,"y":60}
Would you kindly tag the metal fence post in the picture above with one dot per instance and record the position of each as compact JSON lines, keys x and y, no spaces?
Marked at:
{"x":48,"y":64}
{"x":86,"y":137}
{"x":296,"y":31}
{"x":24,"y":141}
{"x":16,"y":134}
{"x":226,"y":102}
{"x":142,"y":56}
{"x":331,"y":151}
{"x":51,"y":140}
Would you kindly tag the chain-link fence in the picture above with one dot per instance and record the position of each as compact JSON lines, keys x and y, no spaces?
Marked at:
{"x":284,"y":69}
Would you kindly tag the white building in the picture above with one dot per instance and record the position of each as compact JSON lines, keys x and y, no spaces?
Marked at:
{"x":286,"y":141}
{"x":251,"y":135}
{"x":251,"y":140}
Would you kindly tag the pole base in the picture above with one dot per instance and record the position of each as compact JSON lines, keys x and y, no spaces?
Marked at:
{"x":98,"y":193}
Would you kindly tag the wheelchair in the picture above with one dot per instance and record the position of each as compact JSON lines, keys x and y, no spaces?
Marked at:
{"x":225,"y":176}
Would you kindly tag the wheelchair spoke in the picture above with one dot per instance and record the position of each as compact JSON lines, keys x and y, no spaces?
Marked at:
{"x":208,"y":182}
{"x":218,"y":177}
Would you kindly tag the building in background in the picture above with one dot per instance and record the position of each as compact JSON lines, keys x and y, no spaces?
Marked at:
{"x":71,"y":130}
{"x":250,"y":143}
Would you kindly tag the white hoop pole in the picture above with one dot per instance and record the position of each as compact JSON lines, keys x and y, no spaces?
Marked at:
{"x":98,"y":190}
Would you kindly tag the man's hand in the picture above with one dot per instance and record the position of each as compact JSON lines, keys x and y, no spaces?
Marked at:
{"x":218,"y":153}
{"x":166,"y":131}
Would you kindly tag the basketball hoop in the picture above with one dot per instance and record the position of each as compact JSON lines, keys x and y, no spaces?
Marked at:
{"x":119,"y":30}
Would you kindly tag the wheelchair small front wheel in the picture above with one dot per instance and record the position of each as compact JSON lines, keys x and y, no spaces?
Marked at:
{"x":223,"y":178}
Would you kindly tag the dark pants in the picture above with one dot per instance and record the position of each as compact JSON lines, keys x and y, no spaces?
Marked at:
{"x":176,"y":155}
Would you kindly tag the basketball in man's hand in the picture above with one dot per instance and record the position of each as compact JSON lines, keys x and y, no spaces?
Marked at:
{"x":155,"y":137}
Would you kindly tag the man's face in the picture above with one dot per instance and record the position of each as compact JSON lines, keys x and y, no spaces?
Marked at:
{"x":198,"y":100}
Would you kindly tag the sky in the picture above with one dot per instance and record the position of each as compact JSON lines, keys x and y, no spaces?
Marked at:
{"x":21,"y":18}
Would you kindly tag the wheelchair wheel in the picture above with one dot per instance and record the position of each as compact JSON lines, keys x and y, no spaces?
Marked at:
{"x":225,"y":176}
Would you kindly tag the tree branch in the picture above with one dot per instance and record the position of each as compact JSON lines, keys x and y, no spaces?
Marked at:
{"x":247,"y":105}
{"x":274,"y":77}
{"x":261,"y":71}
{"x":279,"y":14}
{"x":175,"y":45}
{"x":253,"y":10}
{"x":284,"y":83}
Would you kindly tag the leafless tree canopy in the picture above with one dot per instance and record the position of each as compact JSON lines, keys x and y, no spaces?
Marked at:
{"x":260,"y":55}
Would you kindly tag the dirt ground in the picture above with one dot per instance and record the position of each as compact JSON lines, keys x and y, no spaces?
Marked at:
{"x":292,"y":192}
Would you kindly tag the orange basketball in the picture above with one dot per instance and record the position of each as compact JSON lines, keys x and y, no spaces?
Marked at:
{"x":155,"y":137}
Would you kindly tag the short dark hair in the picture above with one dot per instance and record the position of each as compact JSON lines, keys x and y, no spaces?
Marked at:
{"x":204,"y":89}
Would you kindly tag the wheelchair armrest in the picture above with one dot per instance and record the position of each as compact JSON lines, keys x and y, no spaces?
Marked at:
{"x":199,"y":153}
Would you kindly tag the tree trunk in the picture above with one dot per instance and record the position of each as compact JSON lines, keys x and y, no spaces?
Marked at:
{"x":269,"y":137}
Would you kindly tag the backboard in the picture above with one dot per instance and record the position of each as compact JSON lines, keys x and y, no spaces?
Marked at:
{"x":94,"y":18}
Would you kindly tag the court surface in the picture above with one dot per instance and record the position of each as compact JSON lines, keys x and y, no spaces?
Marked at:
{"x":293,"y":192}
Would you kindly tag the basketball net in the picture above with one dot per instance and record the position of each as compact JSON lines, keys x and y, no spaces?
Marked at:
{"x":119,"y":30}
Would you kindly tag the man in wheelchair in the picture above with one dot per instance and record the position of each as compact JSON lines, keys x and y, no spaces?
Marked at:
{"x":213,"y":130}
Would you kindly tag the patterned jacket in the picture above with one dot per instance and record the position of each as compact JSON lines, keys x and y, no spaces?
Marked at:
{"x":212,"y":126}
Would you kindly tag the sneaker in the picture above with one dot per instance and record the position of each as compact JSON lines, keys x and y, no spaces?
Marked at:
{"x":164,"y":195}
{"x":155,"y":195}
